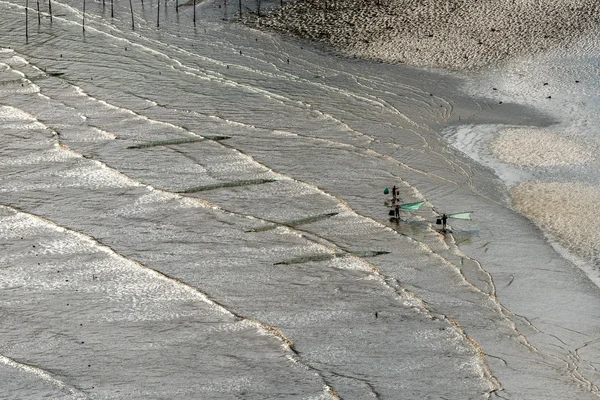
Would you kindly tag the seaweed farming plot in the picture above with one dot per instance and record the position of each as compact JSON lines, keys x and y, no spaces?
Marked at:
{"x":295,"y":222}
{"x":245,"y":182}
{"x":177,"y":141}
{"x":330,"y":256}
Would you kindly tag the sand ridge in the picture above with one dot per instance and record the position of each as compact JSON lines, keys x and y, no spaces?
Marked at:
{"x":451,"y":34}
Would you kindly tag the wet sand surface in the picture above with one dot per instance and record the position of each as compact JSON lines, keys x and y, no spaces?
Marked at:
{"x":218,"y":229}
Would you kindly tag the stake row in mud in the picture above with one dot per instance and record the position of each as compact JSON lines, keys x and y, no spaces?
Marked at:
{"x":112,"y":13}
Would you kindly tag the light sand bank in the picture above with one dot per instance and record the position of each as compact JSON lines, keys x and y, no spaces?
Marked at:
{"x":455,"y":34}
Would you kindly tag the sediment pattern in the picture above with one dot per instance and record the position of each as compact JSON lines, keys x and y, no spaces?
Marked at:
{"x":455,"y":34}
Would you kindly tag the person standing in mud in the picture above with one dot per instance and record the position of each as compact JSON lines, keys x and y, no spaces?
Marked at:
{"x":444,"y":219}
{"x":397,"y":210}
{"x":394,"y":193}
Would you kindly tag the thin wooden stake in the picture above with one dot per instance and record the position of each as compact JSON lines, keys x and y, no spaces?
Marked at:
{"x":240,"y":9}
{"x":38,"y":9}
{"x":158,"y":15}
{"x":83,"y":23}
{"x":26,"y":20}
{"x":112,"y":8}
{"x":131,"y":8}
{"x":194,"y":12}
{"x":50,"y":9}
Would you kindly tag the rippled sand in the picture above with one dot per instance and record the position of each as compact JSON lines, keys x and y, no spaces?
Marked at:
{"x":146,"y":262}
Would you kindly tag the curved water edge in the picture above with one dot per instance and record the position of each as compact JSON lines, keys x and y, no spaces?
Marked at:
{"x":323,"y":137}
{"x":551,"y":171}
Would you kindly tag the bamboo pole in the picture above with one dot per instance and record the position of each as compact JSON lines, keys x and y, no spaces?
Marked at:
{"x":158,"y":14}
{"x":50,"y":9}
{"x":26,"y":20}
{"x":194,"y":12}
{"x":83,"y":22}
{"x":38,"y":12}
{"x":131,"y":8}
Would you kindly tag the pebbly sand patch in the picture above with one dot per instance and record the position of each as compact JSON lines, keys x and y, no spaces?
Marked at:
{"x":454,"y":34}
{"x":532,"y":147}
{"x":567,"y":210}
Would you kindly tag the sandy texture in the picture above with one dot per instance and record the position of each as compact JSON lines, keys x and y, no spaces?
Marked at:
{"x":530,"y":147}
{"x":455,"y":34}
{"x":555,"y":206}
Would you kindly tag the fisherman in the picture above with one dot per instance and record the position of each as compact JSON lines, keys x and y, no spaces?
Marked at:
{"x":444,"y":219}
{"x":397,"y":210}
{"x":394,"y":189}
